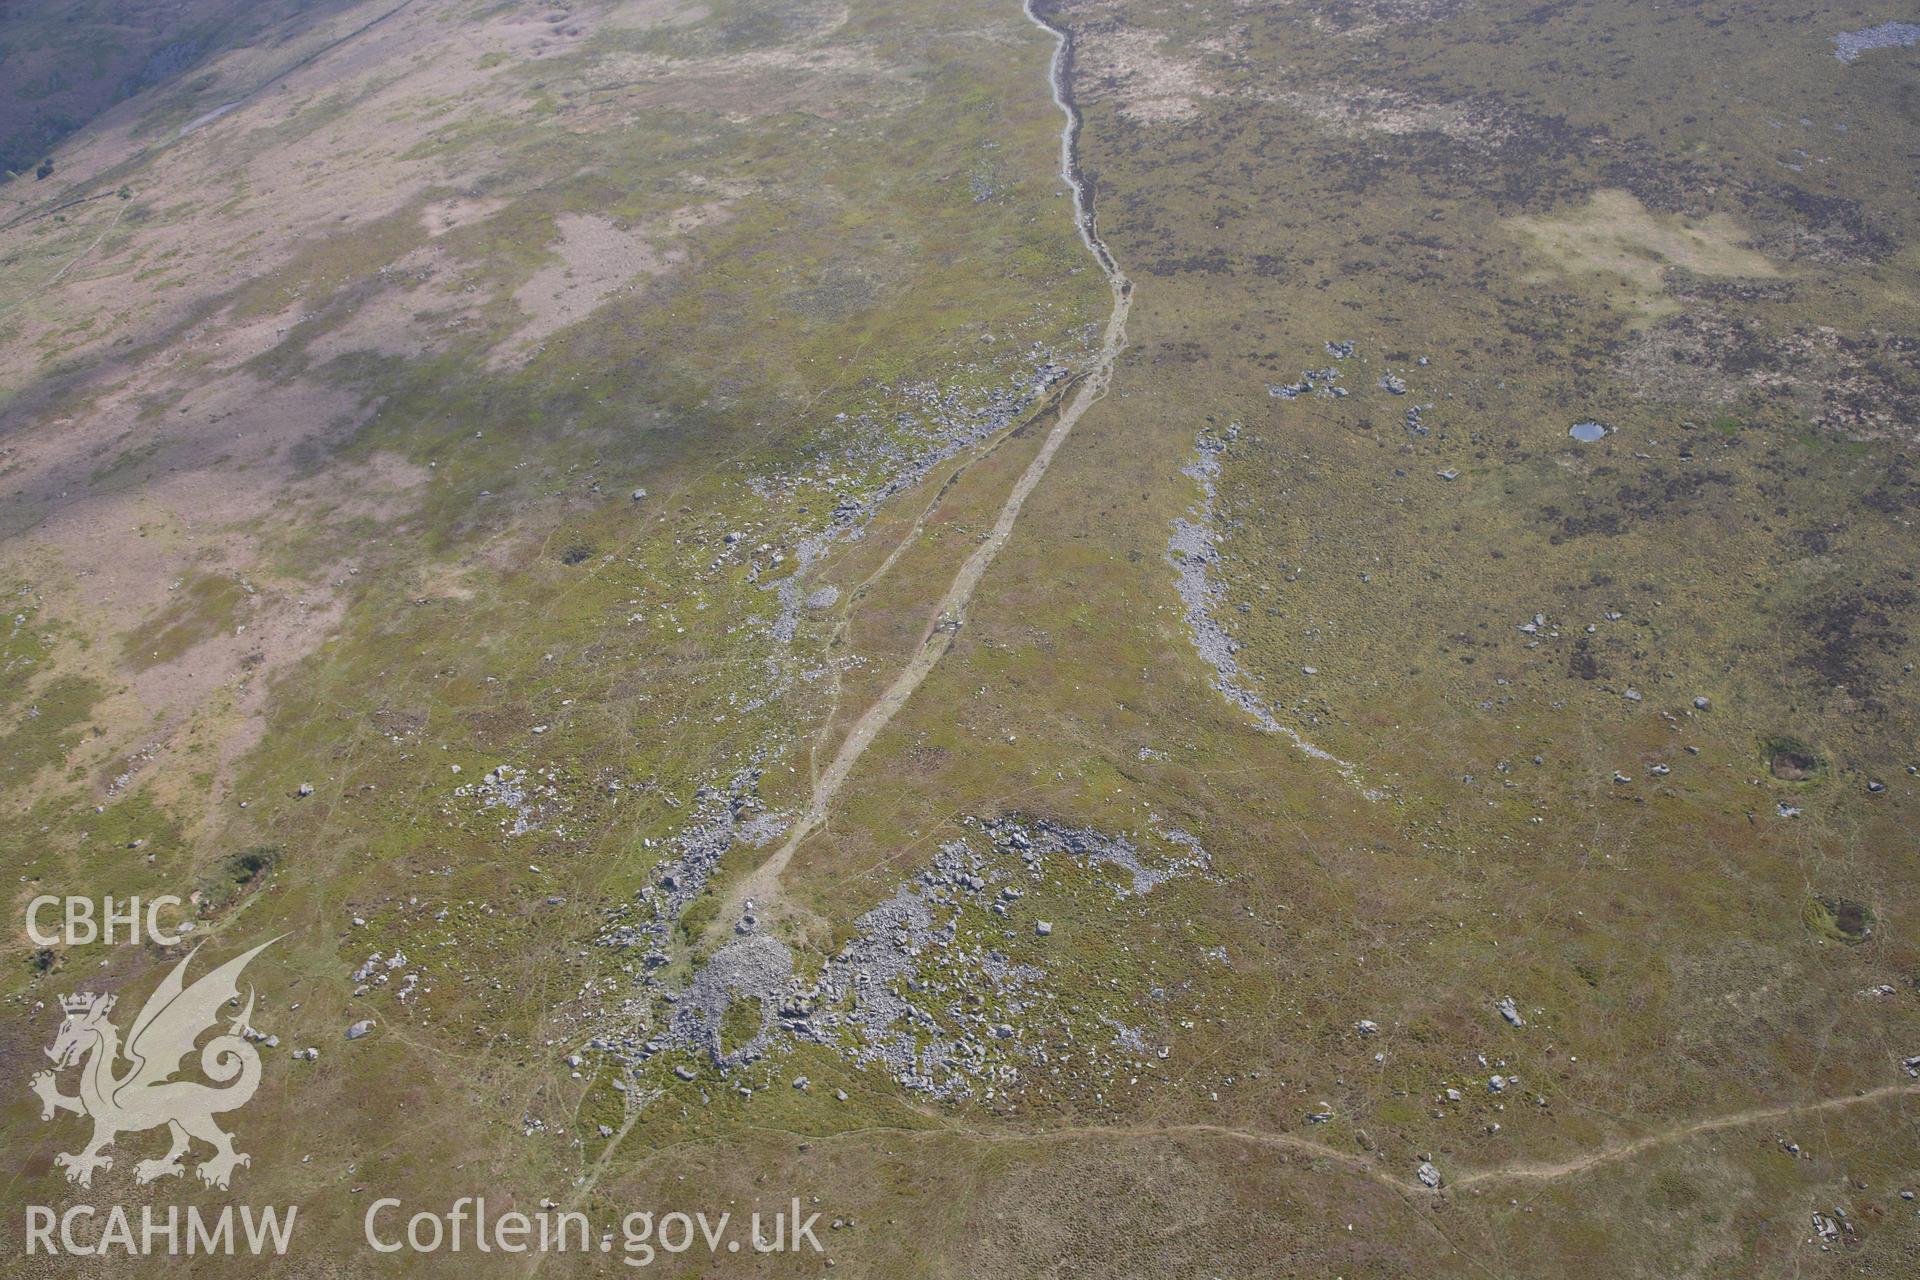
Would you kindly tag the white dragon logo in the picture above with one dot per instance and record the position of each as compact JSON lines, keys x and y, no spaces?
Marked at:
{"x":144,"y":1097}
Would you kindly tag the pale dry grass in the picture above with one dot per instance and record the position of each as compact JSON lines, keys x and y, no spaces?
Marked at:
{"x":1615,"y":235}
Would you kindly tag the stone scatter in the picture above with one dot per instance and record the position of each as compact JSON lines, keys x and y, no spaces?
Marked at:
{"x":925,"y":989}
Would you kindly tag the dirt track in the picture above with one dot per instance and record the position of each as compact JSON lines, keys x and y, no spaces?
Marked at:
{"x":949,"y":615}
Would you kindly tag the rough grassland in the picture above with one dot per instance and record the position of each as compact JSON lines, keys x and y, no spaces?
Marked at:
{"x":325,"y":424}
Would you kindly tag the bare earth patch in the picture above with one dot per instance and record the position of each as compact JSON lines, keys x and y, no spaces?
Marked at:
{"x":1359,"y":111}
{"x":1152,"y":85}
{"x":455,"y":212}
{"x":425,"y":296}
{"x":1863,"y":386}
{"x":596,"y":258}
